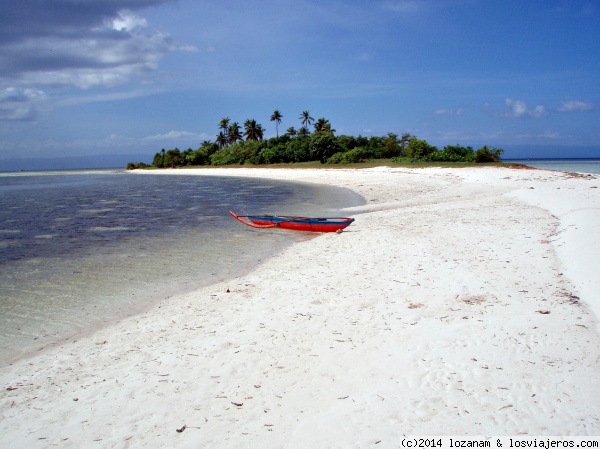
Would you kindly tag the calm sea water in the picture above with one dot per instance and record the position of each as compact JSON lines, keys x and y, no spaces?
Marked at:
{"x":570,"y":165}
{"x":82,"y":249}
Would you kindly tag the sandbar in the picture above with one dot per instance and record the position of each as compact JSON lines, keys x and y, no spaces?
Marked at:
{"x":460,"y":302}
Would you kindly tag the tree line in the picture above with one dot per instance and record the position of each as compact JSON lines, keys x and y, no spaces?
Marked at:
{"x":235,"y":145}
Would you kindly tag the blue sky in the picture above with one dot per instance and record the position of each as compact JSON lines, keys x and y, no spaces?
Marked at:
{"x":93,"y":77}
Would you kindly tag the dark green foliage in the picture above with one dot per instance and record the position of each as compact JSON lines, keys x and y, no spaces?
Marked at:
{"x":404,"y":142}
{"x":234,"y":133}
{"x":159,"y":159}
{"x":296,"y":146}
{"x":304,"y":131}
{"x":222,"y":140}
{"x":355,"y":155}
{"x":170,"y":158}
{"x":452,"y":153}
{"x":173,"y":158}
{"x":198,"y":157}
{"x":322,"y":146}
{"x":271,"y":156}
{"x":133,"y":165}
{"x":419,"y":149}
{"x":337,"y":158}
{"x":189,"y":157}
{"x":306,"y":119}
{"x":225,"y":156}
{"x":274,"y":151}
{"x":253,"y":131}
{"x":347,"y":142}
{"x":390,"y":146}
{"x":362,"y":141}
{"x":244,"y":152}
{"x":485,"y":154}
{"x":323,"y":125}
{"x":251,"y":151}
{"x":374,"y":144}
{"x":276,"y":117}
{"x":297,"y":149}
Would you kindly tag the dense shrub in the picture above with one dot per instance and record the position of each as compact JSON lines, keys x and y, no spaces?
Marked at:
{"x":271,"y":156}
{"x":133,"y":165}
{"x":347,"y":143}
{"x":225,"y":156}
{"x":485,"y":154}
{"x":200,"y":156}
{"x":390,"y":146}
{"x":173,"y":158}
{"x":322,"y":146}
{"x":353,"y":156}
{"x":274,"y":151}
{"x":238,"y":154}
{"x":452,"y":153}
{"x":159,"y":159}
{"x":419,"y":149}
{"x":298,"y":149}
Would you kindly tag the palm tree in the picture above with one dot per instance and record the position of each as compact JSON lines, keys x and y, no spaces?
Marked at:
{"x":222,"y":140}
{"x":321,"y":125}
{"x":224,"y":125}
{"x":291,"y":131}
{"x":253,"y":131}
{"x":276,"y":117}
{"x":306,"y":119}
{"x":234,"y":133}
{"x":304,"y":131}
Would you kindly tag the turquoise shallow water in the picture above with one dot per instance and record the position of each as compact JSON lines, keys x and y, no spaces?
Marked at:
{"x":79,"y":250}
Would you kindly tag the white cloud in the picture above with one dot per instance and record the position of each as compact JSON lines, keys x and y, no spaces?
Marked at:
{"x":80,"y":78}
{"x":458,"y":111}
{"x":168,"y":135}
{"x":519,"y":109}
{"x":187,"y":48}
{"x":570,"y":105}
{"x":176,"y":136}
{"x":125,"y":45}
{"x":537,"y":136}
{"x":106,"y":50}
{"x":128,"y":21}
{"x":21,"y":104}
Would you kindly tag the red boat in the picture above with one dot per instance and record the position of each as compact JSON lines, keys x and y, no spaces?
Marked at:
{"x":294,"y":223}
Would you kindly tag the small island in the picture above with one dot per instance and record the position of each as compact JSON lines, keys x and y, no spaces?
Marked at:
{"x":234,"y":147}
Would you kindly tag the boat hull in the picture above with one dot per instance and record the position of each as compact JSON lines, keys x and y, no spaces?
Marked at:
{"x":294,"y":223}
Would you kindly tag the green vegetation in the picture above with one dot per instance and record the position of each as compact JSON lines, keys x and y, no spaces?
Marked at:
{"x":234,"y":147}
{"x":134,"y":165}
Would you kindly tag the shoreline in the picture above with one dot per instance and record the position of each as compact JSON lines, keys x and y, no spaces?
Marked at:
{"x":441,"y":311}
{"x":104,"y":306}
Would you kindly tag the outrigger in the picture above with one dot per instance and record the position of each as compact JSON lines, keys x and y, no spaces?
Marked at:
{"x":294,"y":223}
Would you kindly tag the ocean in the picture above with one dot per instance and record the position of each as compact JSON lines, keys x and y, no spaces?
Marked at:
{"x":569,"y":165}
{"x":82,"y":249}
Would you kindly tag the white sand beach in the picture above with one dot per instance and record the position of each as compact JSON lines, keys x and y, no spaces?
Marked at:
{"x":460,"y":302}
